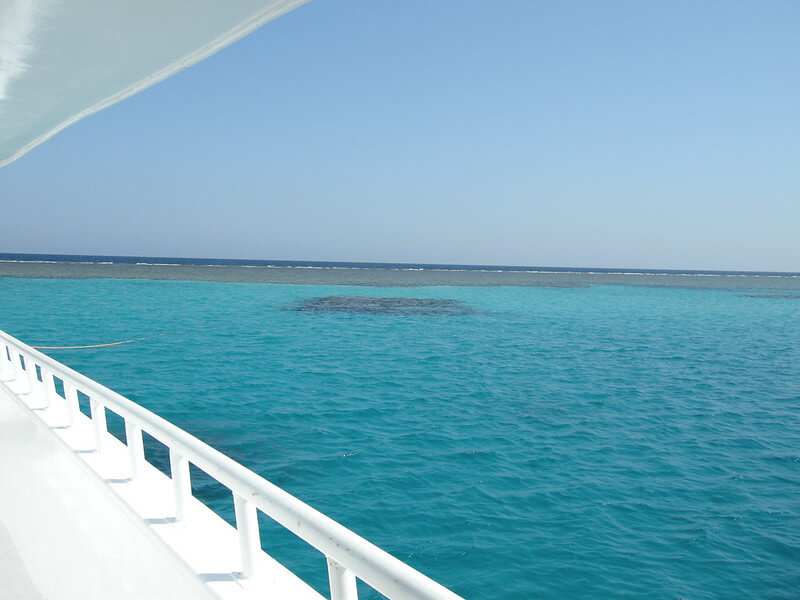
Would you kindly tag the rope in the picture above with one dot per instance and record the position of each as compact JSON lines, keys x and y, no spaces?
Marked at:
{"x":105,"y":345}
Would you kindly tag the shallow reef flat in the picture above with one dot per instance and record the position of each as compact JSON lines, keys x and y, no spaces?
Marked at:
{"x":376,"y":275}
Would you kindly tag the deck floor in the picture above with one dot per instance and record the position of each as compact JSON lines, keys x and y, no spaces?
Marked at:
{"x":16,"y":582}
{"x":83,"y":528}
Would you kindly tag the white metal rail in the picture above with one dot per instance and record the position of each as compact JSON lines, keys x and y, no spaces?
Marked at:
{"x":349,"y":556}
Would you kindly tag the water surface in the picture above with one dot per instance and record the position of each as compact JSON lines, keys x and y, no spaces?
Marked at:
{"x":589,"y":442}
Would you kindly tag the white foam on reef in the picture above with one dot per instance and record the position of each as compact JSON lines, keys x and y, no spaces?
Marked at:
{"x":33,"y":261}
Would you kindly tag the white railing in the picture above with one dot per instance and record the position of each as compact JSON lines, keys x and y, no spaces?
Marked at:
{"x":349,"y":556}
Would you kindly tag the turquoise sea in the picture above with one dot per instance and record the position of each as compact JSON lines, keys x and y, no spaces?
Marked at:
{"x":586,"y":442}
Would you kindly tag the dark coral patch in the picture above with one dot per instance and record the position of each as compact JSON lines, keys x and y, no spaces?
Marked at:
{"x":384,"y":306}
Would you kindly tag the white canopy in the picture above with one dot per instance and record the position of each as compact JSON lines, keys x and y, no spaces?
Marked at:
{"x":61,"y":60}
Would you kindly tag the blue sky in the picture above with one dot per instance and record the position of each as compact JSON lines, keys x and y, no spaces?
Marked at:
{"x":608,"y":134}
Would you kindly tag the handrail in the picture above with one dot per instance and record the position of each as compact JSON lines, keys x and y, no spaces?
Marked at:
{"x":349,"y":555}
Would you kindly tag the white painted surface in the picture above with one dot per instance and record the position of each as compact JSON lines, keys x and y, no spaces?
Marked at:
{"x":62,"y":60}
{"x":69,"y":533}
{"x":14,"y":577}
{"x":226,"y":562}
{"x":84,"y":530}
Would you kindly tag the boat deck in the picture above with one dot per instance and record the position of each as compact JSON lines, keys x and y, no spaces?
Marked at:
{"x":77,"y":526}
{"x":17,"y":583}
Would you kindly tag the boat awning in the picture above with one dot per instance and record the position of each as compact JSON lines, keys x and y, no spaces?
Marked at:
{"x":63,"y":60}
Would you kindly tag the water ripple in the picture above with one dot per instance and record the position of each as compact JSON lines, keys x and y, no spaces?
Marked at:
{"x":590,"y":443}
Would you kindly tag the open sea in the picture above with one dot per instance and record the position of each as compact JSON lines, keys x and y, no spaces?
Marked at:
{"x":512,"y":432}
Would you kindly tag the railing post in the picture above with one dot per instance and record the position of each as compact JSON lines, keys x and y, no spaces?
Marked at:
{"x":181,"y":483}
{"x":98,"y":423}
{"x":133,"y":437}
{"x":73,"y":407}
{"x":6,"y":364}
{"x":22,"y":367}
{"x":342,"y":582}
{"x":33,"y":380}
{"x":16,"y":365}
{"x":249,"y":536}
{"x":41,"y":386}
{"x":48,"y":387}
{"x":30,"y":376}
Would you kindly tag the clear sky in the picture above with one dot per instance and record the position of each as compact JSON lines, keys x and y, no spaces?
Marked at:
{"x":608,"y":134}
